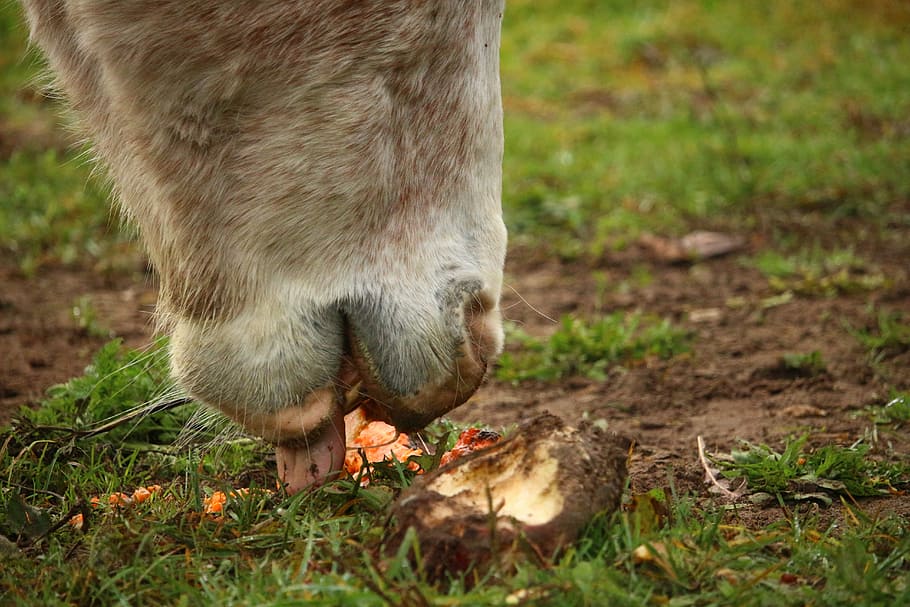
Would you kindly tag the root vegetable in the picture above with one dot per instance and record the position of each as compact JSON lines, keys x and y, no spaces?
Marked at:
{"x":531,"y":493}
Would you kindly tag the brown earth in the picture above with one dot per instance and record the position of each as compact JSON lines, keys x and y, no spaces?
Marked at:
{"x":42,"y":340}
{"x":730,"y":387}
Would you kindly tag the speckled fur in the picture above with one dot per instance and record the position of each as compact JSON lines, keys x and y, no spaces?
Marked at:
{"x":296,"y":169}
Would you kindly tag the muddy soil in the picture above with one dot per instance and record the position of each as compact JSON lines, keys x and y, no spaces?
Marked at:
{"x":730,"y":387}
{"x":45,"y":337}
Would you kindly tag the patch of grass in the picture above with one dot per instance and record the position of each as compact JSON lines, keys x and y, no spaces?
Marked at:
{"x":692,"y":556}
{"x":889,"y":336}
{"x":654,"y":116}
{"x":323,"y":547}
{"x":71,"y":445}
{"x":798,"y":473}
{"x":86,"y":318}
{"x":52,"y":212}
{"x":18,"y":68}
{"x":815,"y":272}
{"x":51,"y":208}
{"x":810,"y":363}
{"x":116,"y":381}
{"x":619,"y":119}
{"x":896,"y":411}
{"x":590,"y":348}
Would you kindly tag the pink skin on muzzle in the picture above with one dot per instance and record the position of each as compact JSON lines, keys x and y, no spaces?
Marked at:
{"x":310,"y":437}
{"x":314,"y":459}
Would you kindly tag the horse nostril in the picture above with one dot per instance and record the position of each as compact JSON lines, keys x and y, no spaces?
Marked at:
{"x":483,"y":327}
{"x":420,"y":360}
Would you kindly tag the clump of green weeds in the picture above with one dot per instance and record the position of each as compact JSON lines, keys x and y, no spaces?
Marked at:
{"x":590,"y":348}
{"x":117,"y":381}
{"x":889,"y":336}
{"x":85,"y":316}
{"x":809,"y":364}
{"x":797,"y":472}
{"x":896,"y":411}
{"x":815,"y":272}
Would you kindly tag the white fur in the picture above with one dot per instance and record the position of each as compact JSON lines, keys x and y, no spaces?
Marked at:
{"x":296,"y":169}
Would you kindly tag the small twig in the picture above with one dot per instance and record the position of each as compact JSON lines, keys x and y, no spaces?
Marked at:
{"x":732,"y":495}
{"x":5,"y":446}
{"x":78,"y":508}
{"x":119,"y":420}
{"x":72,"y":550}
{"x":35,"y":490}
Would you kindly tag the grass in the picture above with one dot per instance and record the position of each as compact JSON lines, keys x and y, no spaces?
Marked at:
{"x":115,"y":376}
{"x":889,"y":335}
{"x":817,"y":272}
{"x":621,"y":118}
{"x":590,"y":348}
{"x":86,"y":318}
{"x":52,"y":212}
{"x":896,"y":411}
{"x":51,"y":209}
{"x":325,"y":547}
{"x":799,"y":473}
{"x":653,"y":116}
{"x":808,"y":364}
{"x":886,"y":339}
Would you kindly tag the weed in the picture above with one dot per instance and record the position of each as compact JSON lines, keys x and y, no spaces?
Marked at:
{"x":590,"y":348}
{"x":809,"y":364}
{"x":796,"y":473}
{"x":116,"y":381}
{"x":896,"y":411}
{"x":86,"y":318}
{"x":890,"y":336}
{"x":816,"y":272}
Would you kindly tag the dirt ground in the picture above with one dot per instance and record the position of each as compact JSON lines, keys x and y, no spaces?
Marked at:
{"x":731,"y":385}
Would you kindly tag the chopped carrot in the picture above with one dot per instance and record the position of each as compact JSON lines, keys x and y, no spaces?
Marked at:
{"x":472,"y":439}
{"x":214,"y":504}
{"x":119,"y":499}
{"x":143,"y":493}
{"x":379,"y":441}
{"x":376,"y":440}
